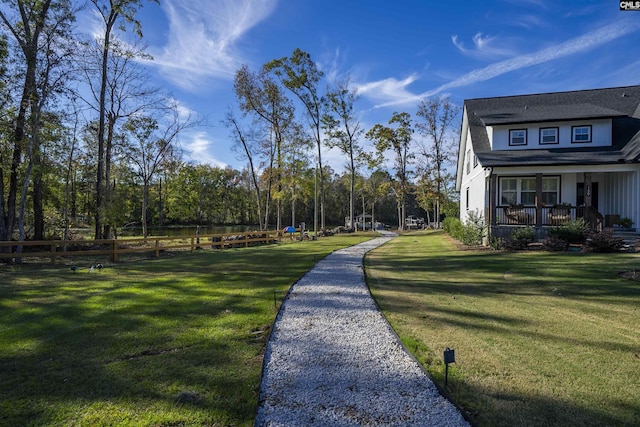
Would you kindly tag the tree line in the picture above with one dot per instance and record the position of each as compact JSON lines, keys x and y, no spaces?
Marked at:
{"x":87,"y":140}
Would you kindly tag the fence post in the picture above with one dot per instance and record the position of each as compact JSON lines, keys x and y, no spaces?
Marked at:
{"x":192,"y":244}
{"x":114,"y":250}
{"x":157,"y":248}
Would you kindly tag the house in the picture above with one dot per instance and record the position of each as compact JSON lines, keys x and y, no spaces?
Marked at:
{"x":541,"y":160}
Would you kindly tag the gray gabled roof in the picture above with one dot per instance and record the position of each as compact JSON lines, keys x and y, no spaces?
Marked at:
{"x":621,"y":104}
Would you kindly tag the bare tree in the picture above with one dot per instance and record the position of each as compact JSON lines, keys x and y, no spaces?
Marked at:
{"x":127,"y":94}
{"x":246,"y":141}
{"x":152,"y":145}
{"x":112,"y":12}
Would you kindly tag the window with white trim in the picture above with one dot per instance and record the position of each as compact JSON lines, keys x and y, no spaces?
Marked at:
{"x":522,"y":190}
{"x":581,"y":133}
{"x":549,"y":135}
{"x":468,"y":162}
{"x":467,"y":199}
{"x":517,"y":137}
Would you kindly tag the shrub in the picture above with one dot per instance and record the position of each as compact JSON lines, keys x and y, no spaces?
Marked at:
{"x":449,"y":223}
{"x":555,"y":244}
{"x":470,"y":233}
{"x":519,"y":238}
{"x":455,"y":228}
{"x":473,"y":230}
{"x":603,"y":242}
{"x":625,"y":222}
{"x":574,"y":231}
{"x":496,"y":243}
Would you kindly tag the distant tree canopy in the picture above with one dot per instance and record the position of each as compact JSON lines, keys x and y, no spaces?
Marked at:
{"x":86,"y":143}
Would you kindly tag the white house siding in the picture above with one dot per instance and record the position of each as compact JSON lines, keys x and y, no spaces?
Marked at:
{"x":600,"y":135}
{"x":569,"y":188}
{"x":475,"y":183}
{"x":620,"y":191}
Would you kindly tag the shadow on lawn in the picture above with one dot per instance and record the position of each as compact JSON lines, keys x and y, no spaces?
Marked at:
{"x":491,"y":273}
{"x":518,"y":409}
{"x":107,"y":337}
{"x":431,"y":278}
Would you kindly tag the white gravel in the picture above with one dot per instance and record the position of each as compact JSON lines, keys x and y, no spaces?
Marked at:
{"x":333,"y":360}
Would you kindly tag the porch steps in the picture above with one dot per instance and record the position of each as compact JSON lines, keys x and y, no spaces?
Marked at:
{"x":631,"y":239}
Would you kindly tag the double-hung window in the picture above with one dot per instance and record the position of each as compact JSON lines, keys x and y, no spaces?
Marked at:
{"x":581,"y":133}
{"x":508,"y":191}
{"x":549,"y":136}
{"x":518,"y":137}
{"x":551,"y":190}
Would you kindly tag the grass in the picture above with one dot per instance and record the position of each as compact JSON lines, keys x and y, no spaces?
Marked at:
{"x":173,"y":341}
{"x":540,"y":338}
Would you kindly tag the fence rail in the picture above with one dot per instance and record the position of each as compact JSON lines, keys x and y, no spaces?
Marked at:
{"x":113,"y":248}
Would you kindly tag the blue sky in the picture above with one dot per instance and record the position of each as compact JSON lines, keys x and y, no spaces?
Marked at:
{"x":396,"y":53}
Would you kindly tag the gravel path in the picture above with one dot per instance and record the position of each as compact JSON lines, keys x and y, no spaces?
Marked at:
{"x":333,"y":360}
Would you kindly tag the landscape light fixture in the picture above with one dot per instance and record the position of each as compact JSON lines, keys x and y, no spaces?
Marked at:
{"x":449,"y":357}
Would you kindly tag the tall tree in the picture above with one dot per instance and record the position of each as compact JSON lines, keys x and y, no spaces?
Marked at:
{"x":397,"y":139}
{"x":246,"y":141}
{"x":259,"y":94}
{"x":112,"y":12}
{"x":5,"y":128}
{"x":438,"y":115}
{"x":342,"y":130}
{"x":301,"y":76}
{"x":37,"y":29}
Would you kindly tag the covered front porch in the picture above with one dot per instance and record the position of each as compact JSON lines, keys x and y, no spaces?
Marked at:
{"x":551,"y":198}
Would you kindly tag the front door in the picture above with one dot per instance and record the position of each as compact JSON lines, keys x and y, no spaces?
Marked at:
{"x":594,"y":194}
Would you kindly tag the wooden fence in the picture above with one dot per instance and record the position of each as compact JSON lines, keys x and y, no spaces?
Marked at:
{"x":113,"y":248}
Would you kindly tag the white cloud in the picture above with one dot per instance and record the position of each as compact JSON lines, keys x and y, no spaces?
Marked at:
{"x":387,"y":90}
{"x":198,"y":149}
{"x":331,"y":63}
{"x":582,"y":43}
{"x":203,"y":37}
{"x":484,"y":47}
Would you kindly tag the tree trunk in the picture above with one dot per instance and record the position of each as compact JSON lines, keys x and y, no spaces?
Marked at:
{"x":145,"y":202}
{"x":38,"y":185}
{"x":352,"y":199}
{"x":100,"y":175}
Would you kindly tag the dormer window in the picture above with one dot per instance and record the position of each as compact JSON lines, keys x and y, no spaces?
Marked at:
{"x":518,"y":137}
{"x":549,"y":136}
{"x":581,"y":133}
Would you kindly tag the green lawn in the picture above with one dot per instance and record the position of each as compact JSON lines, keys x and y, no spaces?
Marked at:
{"x":540,"y":338}
{"x":173,"y":341}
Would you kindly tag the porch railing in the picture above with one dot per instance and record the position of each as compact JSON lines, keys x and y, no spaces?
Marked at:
{"x":549,"y":215}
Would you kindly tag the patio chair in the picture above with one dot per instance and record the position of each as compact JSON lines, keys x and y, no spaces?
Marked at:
{"x":558,"y":216}
{"x":517,"y":215}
